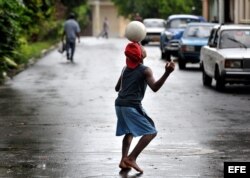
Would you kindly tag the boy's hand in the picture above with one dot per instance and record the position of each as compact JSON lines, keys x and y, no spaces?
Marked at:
{"x":169,"y":67}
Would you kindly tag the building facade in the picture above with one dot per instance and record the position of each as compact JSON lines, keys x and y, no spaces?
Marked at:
{"x":227,"y":11}
{"x":105,"y":8}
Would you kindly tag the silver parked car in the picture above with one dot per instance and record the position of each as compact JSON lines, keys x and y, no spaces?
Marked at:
{"x":154,"y":27}
{"x":226,"y":58}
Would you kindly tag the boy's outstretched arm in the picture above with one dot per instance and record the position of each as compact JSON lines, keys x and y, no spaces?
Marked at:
{"x":156,"y":85}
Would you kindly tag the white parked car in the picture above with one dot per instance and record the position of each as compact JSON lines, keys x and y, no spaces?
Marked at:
{"x":154,"y":27}
{"x":226,"y":58}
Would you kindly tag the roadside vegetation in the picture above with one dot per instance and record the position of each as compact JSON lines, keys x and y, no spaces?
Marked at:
{"x":27,"y":27}
{"x":159,"y":8}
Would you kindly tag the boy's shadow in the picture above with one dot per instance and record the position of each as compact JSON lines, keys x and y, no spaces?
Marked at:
{"x":124,"y":174}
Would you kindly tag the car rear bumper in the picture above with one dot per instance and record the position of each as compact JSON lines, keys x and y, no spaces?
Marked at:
{"x":172,"y":45}
{"x":193,"y":57}
{"x":173,"y":50}
{"x":152,"y":38}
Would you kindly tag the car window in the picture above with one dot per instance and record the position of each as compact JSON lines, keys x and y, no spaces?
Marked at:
{"x":212,"y":36}
{"x":198,"y":31}
{"x":154,"y":23}
{"x":180,"y":23}
{"x":235,"y":39}
{"x":216,"y":37}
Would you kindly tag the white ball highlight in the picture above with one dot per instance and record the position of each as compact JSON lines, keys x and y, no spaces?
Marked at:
{"x":135,"y":31}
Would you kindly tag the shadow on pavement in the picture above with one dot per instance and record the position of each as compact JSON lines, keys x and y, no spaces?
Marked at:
{"x":237,"y":89}
{"x":232,"y":89}
{"x":124,"y":174}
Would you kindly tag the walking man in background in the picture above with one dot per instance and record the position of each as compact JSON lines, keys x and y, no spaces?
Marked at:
{"x":71,"y":31}
{"x":105,"y":29}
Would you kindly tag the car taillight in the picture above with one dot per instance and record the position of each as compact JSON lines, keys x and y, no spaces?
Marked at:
{"x":187,"y":48}
{"x":183,"y":48}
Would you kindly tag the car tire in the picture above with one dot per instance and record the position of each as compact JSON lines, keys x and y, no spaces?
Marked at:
{"x":167,"y":56}
{"x":220,"y":83}
{"x":201,"y":67}
{"x":207,"y":81}
{"x":143,"y":42}
{"x":163,"y":55}
{"x":181,"y":63}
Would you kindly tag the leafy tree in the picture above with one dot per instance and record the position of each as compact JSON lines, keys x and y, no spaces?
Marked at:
{"x":73,"y":3}
{"x":40,"y":13}
{"x":21,"y":21}
{"x":10,"y":21}
{"x":80,"y":9}
{"x":82,"y":15}
{"x":158,"y":9}
{"x":10,"y":27}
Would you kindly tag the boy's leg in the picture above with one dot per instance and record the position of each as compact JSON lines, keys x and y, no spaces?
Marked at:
{"x":125,"y":149}
{"x":106,"y":34}
{"x":143,"y":142}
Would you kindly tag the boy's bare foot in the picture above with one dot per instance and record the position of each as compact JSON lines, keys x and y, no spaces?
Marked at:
{"x":123,"y":165}
{"x":132,"y":164}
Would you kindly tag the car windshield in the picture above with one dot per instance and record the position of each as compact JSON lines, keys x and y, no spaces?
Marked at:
{"x":154,"y":23}
{"x":235,"y":39}
{"x":198,"y":31}
{"x":181,"y":23}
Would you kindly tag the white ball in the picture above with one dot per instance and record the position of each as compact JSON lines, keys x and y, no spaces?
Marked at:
{"x":135,"y":31}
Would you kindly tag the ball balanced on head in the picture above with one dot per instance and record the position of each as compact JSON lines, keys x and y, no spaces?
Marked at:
{"x":135,"y":31}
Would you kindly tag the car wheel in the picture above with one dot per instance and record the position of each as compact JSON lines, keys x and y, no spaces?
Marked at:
{"x":167,"y":56}
{"x":207,"y":81}
{"x":201,"y":66}
{"x":163,"y":55}
{"x":220,"y":83}
{"x":181,"y":63}
{"x":143,"y":43}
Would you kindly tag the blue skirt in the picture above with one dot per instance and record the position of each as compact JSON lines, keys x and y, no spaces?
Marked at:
{"x":133,"y":121}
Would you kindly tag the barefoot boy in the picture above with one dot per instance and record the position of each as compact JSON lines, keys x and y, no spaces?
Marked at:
{"x":132,"y":120}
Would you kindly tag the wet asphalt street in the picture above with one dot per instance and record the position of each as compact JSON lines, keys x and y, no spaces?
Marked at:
{"x":57,"y":119}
